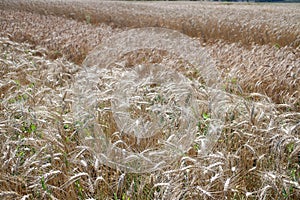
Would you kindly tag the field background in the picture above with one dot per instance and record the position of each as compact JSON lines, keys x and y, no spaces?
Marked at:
{"x":255,"y":47}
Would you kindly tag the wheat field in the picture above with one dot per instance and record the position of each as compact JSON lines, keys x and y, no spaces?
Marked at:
{"x":149,"y":100}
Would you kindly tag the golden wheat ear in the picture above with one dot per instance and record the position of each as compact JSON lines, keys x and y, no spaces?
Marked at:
{"x":146,"y":106}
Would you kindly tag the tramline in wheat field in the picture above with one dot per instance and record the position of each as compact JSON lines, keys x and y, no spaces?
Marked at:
{"x":149,"y":100}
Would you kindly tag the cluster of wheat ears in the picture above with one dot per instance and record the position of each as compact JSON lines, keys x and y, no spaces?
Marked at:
{"x":237,"y":125}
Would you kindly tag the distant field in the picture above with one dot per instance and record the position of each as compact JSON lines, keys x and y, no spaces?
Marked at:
{"x":246,"y":23}
{"x":149,"y":100}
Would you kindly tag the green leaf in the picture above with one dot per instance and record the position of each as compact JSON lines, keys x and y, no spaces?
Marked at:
{"x":205,"y":116}
{"x":43,"y":184}
{"x":32,"y":128}
{"x":115,"y":196}
{"x":66,"y":126}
